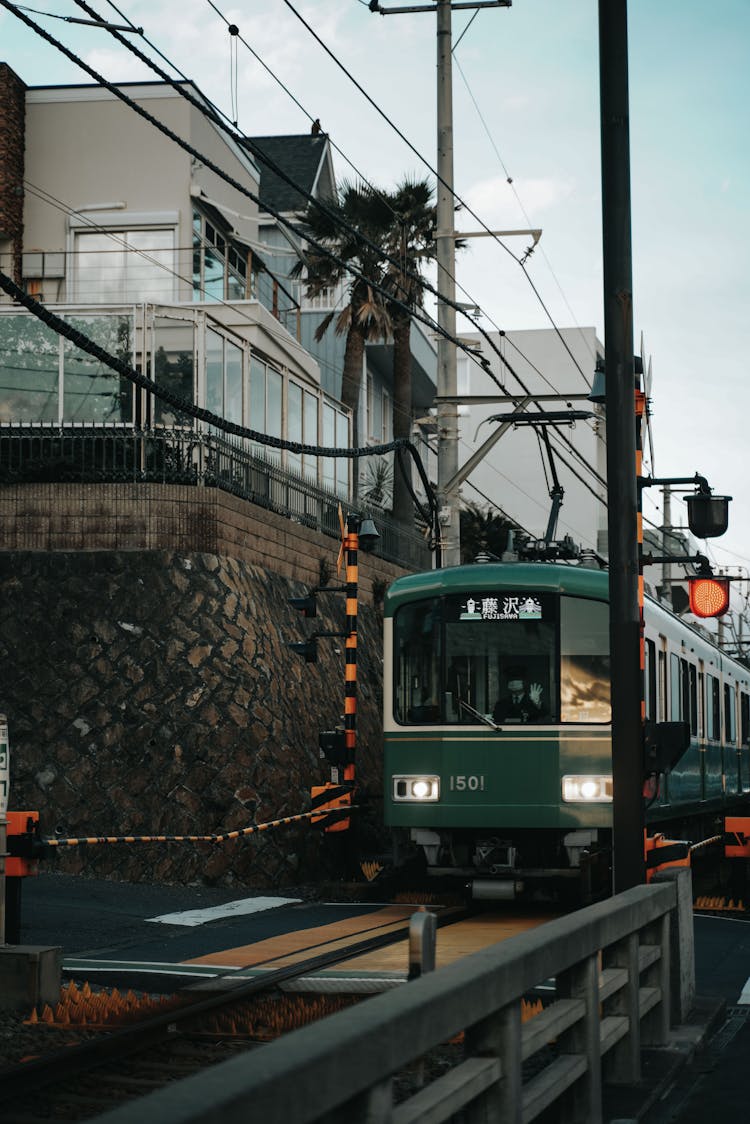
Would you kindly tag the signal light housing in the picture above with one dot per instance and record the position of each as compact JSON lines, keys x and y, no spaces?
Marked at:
{"x":709,"y":596}
{"x":308,"y":649}
{"x":306,"y":605}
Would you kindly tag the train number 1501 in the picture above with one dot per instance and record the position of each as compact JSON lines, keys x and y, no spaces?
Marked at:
{"x":462,"y":783}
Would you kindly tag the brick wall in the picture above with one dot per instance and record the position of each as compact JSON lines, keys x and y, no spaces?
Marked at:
{"x":170,"y":517}
{"x":12,"y":141}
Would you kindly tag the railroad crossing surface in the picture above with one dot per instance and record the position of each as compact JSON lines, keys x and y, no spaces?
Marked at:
{"x":161,"y":937}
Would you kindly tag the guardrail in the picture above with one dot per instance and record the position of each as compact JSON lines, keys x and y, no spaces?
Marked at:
{"x":612,"y":964}
{"x":126,"y":454}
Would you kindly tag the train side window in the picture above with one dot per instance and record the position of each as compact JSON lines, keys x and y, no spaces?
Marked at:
{"x":675,"y":692}
{"x":662,"y":685}
{"x":701,"y":705}
{"x":713,"y":708}
{"x":584,"y":661}
{"x":744,"y":717}
{"x":730,"y":732}
{"x":649,"y":683}
{"x":417,"y":647}
{"x":693,"y":691}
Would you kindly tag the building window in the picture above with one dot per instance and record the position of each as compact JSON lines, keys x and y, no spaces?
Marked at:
{"x":310,"y":435}
{"x":110,"y":267}
{"x":387,"y":431}
{"x":294,"y":425}
{"x":174,"y":367}
{"x":219,"y":266}
{"x":223,"y":377}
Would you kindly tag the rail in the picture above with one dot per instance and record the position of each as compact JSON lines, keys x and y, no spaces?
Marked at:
{"x":163,"y":455}
{"x":612,"y":964}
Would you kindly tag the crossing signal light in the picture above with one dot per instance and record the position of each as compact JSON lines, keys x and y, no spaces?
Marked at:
{"x":308,"y":649}
{"x":306,"y":605}
{"x":709,"y":596}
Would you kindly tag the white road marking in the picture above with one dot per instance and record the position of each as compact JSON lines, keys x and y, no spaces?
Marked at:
{"x":239,"y":908}
{"x":744,"y":994}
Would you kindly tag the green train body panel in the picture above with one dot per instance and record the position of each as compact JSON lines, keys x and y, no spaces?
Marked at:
{"x":498,"y":781}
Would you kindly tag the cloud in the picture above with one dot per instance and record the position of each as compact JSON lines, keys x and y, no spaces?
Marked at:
{"x":495,"y":198}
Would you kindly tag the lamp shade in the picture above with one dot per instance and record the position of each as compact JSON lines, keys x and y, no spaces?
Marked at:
{"x":708,"y":516}
{"x":368,"y":535}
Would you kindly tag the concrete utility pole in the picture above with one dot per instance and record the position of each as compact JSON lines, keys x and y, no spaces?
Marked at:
{"x":445,"y":247}
{"x":623,"y":500}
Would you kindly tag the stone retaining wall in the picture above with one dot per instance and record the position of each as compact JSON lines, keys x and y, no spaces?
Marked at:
{"x":150,"y":690}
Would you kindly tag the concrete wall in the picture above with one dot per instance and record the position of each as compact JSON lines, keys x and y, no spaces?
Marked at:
{"x":148,"y":685}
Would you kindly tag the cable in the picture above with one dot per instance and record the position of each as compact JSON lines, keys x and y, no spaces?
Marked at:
{"x":426,"y":162}
{"x":208,"y":163}
{"x":510,"y":182}
{"x":410,"y":309}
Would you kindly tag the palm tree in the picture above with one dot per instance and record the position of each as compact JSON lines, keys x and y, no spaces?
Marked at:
{"x":411,"y":242}
{"x":483,"y":531}
{"x":359,"y":212}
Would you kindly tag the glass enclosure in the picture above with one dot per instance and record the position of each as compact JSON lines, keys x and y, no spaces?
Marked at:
{"x":44,"y":377}
{"x":506,"y":658}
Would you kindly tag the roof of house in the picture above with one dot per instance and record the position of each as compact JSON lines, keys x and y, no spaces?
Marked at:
{"x":305,"y":159}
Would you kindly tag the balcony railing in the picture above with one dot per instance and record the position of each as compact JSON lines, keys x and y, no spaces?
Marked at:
{"x":122,"y":454}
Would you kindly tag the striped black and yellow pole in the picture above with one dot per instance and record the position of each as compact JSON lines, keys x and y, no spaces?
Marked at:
{"x":351,"y":550}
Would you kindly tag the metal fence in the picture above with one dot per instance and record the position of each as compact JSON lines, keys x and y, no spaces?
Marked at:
{"x":123,"y":454}
{"x":611,"y":967}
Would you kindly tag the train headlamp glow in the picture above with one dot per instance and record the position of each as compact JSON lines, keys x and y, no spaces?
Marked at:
{"x":587,"y":790}
{"x":417,"y":787}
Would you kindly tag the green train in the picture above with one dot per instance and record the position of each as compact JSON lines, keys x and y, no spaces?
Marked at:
{"x":497,"y":727}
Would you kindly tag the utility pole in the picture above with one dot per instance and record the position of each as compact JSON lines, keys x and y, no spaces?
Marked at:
{"x":625,"y":581}
{"x":445,"y":256}
{"x":445,"y":247}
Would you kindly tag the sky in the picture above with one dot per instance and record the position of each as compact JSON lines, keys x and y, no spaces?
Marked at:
{"x":526,"y":109}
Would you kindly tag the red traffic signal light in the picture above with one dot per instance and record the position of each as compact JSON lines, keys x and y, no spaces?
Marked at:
{"x":709,"y":597}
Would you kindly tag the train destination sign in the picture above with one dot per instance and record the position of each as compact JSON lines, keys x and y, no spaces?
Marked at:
{"x":501,"y":607}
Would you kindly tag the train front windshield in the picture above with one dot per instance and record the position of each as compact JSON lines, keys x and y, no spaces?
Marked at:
{"x":507,"y":658}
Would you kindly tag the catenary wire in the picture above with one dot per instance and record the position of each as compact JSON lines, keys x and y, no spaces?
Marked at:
{"x":510,"y":182}
{"x":426,"y":162}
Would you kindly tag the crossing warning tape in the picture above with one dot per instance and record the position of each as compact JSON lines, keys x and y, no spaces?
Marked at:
{"x":223,"y":837}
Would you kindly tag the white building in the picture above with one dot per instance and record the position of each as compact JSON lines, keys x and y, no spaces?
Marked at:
{"x":516,"y":474}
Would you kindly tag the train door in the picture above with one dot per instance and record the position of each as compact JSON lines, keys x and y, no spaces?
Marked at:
{"x":686,"y":782}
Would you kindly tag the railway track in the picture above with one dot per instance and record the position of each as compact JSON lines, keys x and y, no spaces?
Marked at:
{"x":210,"y":1021}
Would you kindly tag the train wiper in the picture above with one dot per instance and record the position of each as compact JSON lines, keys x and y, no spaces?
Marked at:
{"x":482,"y":717}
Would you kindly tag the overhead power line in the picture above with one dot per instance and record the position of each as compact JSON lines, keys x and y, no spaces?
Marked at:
{"x":462,"y":202}
{"x":212,"y":166}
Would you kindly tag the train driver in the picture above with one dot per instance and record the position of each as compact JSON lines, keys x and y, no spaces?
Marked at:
{"x":522,"y":701}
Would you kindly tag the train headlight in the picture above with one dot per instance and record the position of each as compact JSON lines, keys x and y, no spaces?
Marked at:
{"x":587,"y":790}
{"x":417,"y":788}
